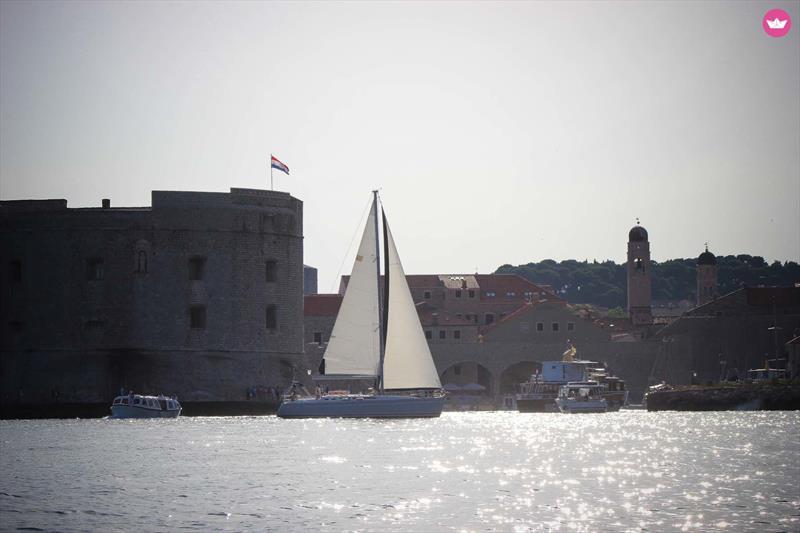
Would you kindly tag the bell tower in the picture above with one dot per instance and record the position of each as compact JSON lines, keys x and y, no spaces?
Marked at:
{"x":639,"y":276}
{"x":707,"y":289}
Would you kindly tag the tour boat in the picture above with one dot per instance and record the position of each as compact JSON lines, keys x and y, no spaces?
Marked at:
{"x":140,"y":406}
{"x":538,"y":394}
{"x":377,"y":336}
{"x":581,"y":397}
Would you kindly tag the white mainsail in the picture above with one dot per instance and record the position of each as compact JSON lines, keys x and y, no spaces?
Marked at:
{"x":407,"y":362}
{"x":354,"y":346}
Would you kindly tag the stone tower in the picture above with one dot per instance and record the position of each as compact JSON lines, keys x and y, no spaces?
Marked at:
{"x":639,"y":276}
{"x":706,"y":277}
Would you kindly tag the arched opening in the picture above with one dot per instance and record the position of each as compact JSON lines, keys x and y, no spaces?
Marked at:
{"x":141,"y":262}
{"x":467,"y":376}
{"x":511,"y":377}
{"x":469,"y":386}
{"x":141,"y":254}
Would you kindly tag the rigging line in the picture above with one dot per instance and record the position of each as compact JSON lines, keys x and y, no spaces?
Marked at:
{"x":349,"y":246}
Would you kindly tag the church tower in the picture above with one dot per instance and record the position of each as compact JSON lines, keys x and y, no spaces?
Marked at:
{"x":639,"y":276}
{"x":706,"y":277}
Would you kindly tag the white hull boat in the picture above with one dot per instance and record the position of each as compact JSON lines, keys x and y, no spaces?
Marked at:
{"x":364,"y":406}
{"x":377,"y":335}
{"x":581,"y":397}
{"x":140,"y":406}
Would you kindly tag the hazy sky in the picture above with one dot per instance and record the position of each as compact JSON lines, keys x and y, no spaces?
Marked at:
{"x":497,"y":132}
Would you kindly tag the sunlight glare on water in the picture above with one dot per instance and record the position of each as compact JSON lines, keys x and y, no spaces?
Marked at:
{"x":502,"y":471}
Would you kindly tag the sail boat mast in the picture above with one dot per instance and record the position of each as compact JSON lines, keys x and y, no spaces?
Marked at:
{"x":381,"y":303}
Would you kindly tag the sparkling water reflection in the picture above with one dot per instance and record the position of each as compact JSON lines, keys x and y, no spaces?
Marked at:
{"x":626,"y":471}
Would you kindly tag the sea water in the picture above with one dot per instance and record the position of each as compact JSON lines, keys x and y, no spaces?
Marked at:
{"x":482,"y":471}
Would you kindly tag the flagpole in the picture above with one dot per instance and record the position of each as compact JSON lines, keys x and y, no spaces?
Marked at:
{"x":271,"y":185}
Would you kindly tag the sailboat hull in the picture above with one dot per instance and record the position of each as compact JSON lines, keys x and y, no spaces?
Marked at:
{"x":363,"y":406}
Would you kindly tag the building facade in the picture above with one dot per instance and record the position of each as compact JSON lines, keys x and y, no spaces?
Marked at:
{"x":309,"y":280}
{"x":199,"y":295}
{"x":490,"y":332}
{"x":732,"y":334}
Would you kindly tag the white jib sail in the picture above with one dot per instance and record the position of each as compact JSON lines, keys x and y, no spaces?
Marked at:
{"x":407,"y":362}
{"x":354,"y":346}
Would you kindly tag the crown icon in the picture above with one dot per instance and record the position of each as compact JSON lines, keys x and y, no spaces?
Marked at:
{"x":777,"y":24}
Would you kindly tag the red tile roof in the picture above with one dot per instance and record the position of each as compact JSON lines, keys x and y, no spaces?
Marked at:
{"x":415,"y":281}
{"x":321,"y":304}
{"x":524,"y":308}
{"x":500,"y":284}
{"x":503,"y":283}
{"x":423,"y":281}
{"x":432,"y":316}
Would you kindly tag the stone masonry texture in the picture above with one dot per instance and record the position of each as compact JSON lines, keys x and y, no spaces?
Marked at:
{"x":99,"y":299}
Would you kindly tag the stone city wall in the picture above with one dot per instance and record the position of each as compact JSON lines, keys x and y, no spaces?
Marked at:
{"x":95,"y":299}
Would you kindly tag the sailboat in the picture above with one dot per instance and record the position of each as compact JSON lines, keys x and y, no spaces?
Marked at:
{"x":377,"y":335}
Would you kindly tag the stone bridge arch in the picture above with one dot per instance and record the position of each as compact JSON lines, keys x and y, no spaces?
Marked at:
{"x":465,"y":372}
{"x":509,"y":378}
{"x":505,"y":361}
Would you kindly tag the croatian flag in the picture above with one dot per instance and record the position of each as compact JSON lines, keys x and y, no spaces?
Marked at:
{"x":280,"y":166}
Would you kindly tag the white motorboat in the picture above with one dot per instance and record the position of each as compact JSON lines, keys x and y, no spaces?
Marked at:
{"x":377,"y":336}
{"x":141,"y":406}
{"x":581,"y":397}
{"x":538,"y":394}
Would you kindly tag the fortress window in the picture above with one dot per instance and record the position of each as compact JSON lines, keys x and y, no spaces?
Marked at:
{"x":555,"y":326}
{"x":197,"y":266}
{"x":15,"y":271}
{"x":94,"y":269}
{"x":457,"y":334}
{"x":458,"y":294}
{"x":472,"y":294}
{"x":271,"y":272}
{"x":539,"y":326}
{"x":427,"y":295}
{"x":428,"y":334}
{"x":442,"y":334}
{"x":141,"y":262}
{"x":457,"y":370}
{"x":318,"y":337}
{"x":570,"y":326}
{"x":197,"y":317}
{"x":271,"y":317}
{"x":489,"y":318}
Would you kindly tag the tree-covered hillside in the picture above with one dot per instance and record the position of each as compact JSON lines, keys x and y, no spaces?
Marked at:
{"x":604,"y":284}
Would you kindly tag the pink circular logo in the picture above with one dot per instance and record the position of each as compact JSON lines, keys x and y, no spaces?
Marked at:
{"x":776,"y":22}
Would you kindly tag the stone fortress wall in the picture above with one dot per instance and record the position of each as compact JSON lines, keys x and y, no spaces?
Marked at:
{"x":192,"y":296}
